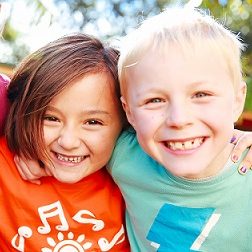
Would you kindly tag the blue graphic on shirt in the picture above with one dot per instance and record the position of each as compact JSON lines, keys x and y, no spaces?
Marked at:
{"x":176,"y":228}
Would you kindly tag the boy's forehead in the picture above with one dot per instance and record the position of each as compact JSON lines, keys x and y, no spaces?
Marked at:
{"x":169,"y":63}
{"x":206,"y":40}
{"x":165,"y":46}
{"x":168,"y":51}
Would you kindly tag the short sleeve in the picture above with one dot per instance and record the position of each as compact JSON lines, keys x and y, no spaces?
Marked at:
{"x":4,"y":105}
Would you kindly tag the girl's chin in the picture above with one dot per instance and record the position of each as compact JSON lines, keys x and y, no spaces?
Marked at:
{"x":68,"y":180}
{"x":67,"y":176}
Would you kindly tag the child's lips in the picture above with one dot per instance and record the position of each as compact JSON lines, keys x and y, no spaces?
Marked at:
{"x":184,"y":145}
{"x":74,"y":159}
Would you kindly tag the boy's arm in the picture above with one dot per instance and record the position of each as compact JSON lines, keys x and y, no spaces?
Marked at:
{"x":4,"y":105}
{"x":30,"y":169}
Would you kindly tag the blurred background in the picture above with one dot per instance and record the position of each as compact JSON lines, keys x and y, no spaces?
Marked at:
{"x":29,"y":24}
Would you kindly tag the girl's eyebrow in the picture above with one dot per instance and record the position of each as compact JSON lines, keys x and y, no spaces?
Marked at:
{"x":51,"y":108}
{"x":95,"y":112}
{"x":85,"y":112}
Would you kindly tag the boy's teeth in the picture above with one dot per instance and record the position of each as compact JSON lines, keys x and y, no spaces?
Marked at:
{"x":187,"y":145}
{"x":70,"y":159}
{"x":177,"y":145}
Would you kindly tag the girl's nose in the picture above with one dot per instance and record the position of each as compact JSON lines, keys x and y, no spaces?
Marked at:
{"x":69,"y":139}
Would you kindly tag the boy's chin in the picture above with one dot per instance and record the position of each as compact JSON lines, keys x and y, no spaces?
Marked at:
{"x":182,"y":171}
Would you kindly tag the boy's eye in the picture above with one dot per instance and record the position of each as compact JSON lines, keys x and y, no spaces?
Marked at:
{"x":200,"y":94}
{"x":51,"y":118}
{"x":155,"y":100}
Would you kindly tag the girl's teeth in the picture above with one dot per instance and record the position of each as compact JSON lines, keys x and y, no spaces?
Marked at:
{"x":70,"y":159}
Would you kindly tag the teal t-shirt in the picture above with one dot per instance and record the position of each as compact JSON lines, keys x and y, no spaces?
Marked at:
{"x":166,"y":213}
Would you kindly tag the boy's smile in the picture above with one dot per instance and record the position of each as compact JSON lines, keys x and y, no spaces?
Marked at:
{"x":184,"y":145}
{"x":183,"y":107}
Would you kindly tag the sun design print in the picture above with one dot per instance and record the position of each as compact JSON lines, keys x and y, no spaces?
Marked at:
{"x":69,"y":244}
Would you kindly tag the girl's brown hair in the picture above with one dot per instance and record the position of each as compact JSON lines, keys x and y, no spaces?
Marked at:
{"x":42,"y":76}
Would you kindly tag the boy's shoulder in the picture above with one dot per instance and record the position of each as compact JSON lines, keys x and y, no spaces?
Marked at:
{"x":125,"y":144}
{"x":127,"y":135}
{"x":126,"y":140}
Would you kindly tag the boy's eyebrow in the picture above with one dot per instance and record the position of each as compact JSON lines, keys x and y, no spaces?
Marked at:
{"x":200,"y":82}
{"x":193,"y":83}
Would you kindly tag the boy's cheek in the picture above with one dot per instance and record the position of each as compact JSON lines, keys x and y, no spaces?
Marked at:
{"x":148,"y":126}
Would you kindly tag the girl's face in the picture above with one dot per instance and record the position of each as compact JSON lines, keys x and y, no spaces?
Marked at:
{"x":81,"y":126}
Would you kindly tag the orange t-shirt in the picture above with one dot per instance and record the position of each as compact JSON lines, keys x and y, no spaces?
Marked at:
{"x":85,"y":216}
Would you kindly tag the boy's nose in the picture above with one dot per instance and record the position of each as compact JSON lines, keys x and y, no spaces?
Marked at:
{"x":68,"y":139}
{"x":178,"y":116}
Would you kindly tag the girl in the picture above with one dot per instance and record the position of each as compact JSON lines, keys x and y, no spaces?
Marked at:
{"x":64,"y":112}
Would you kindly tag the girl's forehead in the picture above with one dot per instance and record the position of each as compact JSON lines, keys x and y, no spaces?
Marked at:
{"x":93,"y":85}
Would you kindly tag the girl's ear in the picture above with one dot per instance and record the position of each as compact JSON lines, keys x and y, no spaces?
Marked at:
{"x":240,"y":100}
{"x":127,"y":111}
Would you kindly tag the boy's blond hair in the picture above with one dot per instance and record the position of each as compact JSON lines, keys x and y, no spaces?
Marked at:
{"x":187,"y":28}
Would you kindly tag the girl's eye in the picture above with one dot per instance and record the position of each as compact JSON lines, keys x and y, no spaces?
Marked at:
{"x":93,"y":122}
{"x":51,"y":118}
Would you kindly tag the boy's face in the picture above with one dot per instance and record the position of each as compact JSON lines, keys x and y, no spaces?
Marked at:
{"x":183,"y":109}
{"x":81,"y":126}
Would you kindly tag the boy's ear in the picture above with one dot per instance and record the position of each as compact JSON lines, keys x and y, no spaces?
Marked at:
{"x":127,"y":111}
{"x":240,"y":100}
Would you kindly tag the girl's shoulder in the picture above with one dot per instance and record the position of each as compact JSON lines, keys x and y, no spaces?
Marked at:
{"x":4,"y":105}
{"x":4,"y":81}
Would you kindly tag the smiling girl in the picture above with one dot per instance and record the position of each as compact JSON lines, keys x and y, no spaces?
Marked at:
{"x":64,"y":112}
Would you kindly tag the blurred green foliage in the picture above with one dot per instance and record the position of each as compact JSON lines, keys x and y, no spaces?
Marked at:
{"x":125,"y":14}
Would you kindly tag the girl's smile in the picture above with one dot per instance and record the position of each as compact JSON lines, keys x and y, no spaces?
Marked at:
{"x":77,"y":127}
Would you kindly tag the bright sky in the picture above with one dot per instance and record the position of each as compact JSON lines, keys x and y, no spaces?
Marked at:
{"x":39,"y":34}
{"x":35,"y":35}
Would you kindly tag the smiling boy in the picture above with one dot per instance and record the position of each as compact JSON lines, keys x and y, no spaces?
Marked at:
{"x":182,"y":98}
{"x":182,"y":90}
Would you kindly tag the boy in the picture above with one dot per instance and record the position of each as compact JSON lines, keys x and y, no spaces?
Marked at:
{"x":182,"y":90}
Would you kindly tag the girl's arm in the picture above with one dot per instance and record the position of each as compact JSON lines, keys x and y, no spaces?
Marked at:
{"x":242,"y":140}
{"x":30,"y":169}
